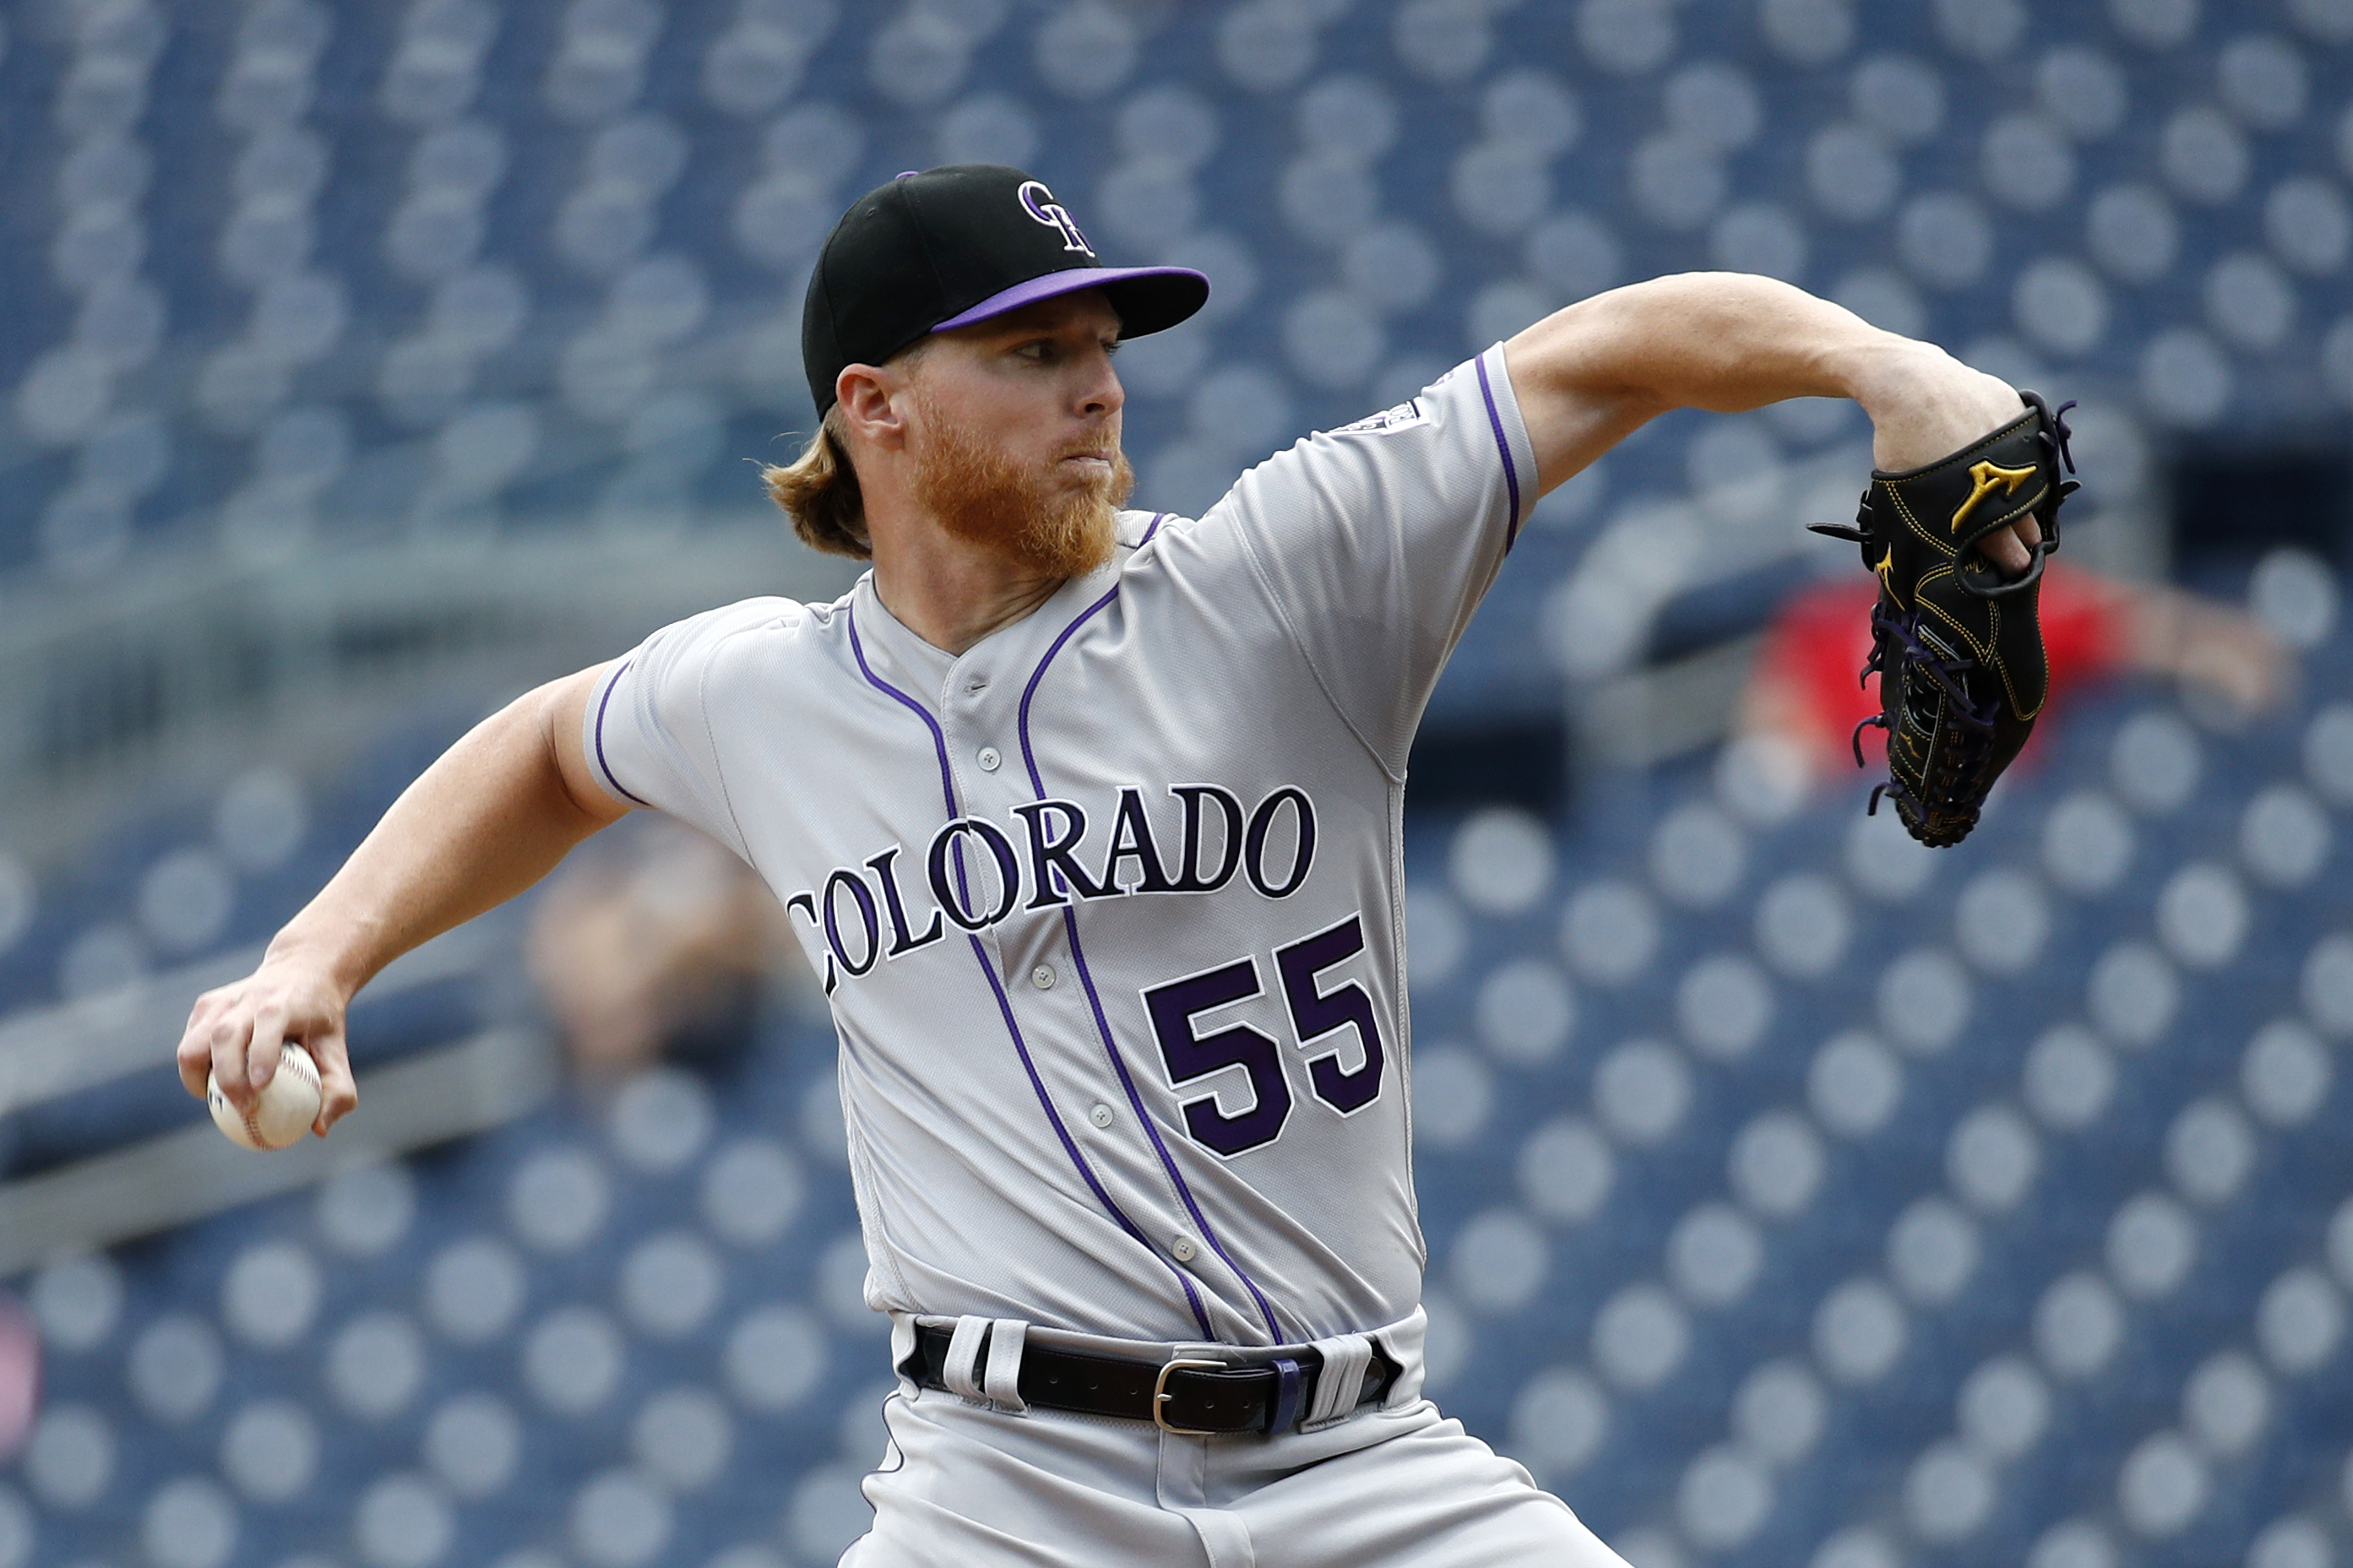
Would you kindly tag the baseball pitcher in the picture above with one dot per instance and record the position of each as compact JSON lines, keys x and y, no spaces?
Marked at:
{"x":1089,"y":821}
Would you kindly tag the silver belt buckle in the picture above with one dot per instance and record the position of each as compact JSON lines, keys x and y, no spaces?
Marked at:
{"x":1160,"y":1396}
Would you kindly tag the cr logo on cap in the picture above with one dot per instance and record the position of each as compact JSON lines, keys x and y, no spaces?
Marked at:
{"x":1039,"y":204}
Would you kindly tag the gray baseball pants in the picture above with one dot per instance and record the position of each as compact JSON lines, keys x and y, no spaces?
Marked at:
{"x":1396,"y":1487}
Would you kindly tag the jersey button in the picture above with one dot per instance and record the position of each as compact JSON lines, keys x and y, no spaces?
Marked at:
{"x":988,"y":758}
{"x":1099,"y":1116}
{"x":1182,"y":1249}
{"x":1042,"y":977}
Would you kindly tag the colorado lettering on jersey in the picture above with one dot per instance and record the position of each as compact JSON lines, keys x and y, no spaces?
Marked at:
{"x":976,"y":873}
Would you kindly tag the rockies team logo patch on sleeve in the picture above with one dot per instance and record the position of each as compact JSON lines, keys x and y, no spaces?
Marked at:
{"x":1404,"y":416}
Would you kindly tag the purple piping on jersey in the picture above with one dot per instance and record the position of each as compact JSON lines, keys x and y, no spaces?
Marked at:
{"x":939,"y":741}
{"x":1503,"y":445}
{"x":988,"y":972}
{"x":1086,"y":979}
{"x":1021,"y":727}
{"x":602,"y":703}
{"x":1069,"y":1147}
{"x":1135,"y":1101}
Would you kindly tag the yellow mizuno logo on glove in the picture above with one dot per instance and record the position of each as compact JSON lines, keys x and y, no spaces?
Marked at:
{"x":1984,"y":480}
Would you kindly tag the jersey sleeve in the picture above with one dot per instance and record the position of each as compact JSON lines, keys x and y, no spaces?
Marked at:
{"x":1376,"y":541}
{"x":647,"y":730}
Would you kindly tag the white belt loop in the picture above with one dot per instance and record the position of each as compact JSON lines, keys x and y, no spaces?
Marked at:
{"x":963,"y":1359}
{"x":1341,"y":1382}
{"x":1402,"y":1343}
{"x":1001,"y":1379}
{"x":902,"y":1352}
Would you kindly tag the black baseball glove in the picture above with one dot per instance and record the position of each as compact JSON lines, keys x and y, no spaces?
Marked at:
{"x":1957,"y":647}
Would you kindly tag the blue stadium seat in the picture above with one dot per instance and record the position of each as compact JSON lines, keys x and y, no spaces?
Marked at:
{"x":1793,"y":1196}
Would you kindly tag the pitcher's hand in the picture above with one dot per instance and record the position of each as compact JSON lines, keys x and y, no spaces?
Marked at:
{"x":1925,"y":406}
{"x":235,"y":1033}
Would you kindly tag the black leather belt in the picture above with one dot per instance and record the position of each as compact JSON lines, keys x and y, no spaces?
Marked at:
{"x":1188,"y":1397}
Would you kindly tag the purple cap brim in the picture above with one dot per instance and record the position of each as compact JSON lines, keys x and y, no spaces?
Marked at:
{"x":1183,"y":292}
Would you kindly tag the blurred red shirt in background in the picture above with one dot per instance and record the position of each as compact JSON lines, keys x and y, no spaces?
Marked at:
{"x":1817,"y":644}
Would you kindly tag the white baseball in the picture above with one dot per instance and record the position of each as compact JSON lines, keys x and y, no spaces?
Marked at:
{"x":282,"y":1112}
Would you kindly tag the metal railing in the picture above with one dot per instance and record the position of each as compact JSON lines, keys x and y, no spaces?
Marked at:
{"x":111,"y":1194}
{"x":184,"y":669}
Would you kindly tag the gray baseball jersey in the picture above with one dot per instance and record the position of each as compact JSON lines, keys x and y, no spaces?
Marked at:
{"x":1108,"y":907}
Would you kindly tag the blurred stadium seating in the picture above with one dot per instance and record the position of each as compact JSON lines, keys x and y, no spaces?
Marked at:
{"x":1862,"y":1207}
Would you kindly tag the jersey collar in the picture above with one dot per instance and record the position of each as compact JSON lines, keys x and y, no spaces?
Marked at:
{"x":1129,"y":531}
{"x":920,"y":666}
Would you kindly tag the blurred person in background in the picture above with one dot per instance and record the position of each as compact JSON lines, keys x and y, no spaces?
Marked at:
{"x":1804,"y":686}
{"x":658,"y":943}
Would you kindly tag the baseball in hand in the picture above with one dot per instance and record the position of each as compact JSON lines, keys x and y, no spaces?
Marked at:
{"x":282,"y":1112}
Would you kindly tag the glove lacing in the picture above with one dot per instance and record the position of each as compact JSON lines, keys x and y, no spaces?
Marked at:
{"x":1963,"y":746}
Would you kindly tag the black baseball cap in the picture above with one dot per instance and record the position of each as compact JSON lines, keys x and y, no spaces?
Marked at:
{"x":956,"y":245}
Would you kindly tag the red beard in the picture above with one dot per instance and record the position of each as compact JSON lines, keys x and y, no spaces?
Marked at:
{"x":1039,"y":520}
